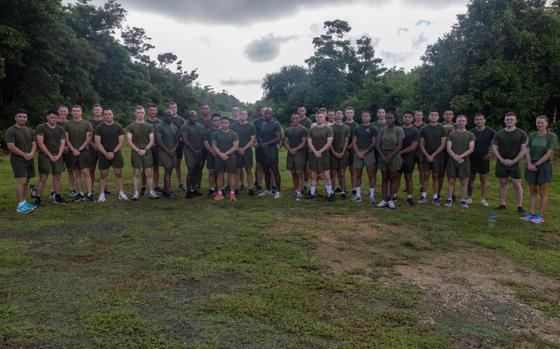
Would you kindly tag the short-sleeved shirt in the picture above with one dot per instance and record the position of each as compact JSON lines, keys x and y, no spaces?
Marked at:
{"x":319,"y":136}
{"x":449,"y":127}
{"x":483,"y":139}
{"x":389,"y":137}
{"x":432,"y":136}
{"x":194,"y":133}
{"x":154,"y":123}
{"x":206,"y":123}
{"x":61,"y":124}
{"x":306,"y":122}
{"x":209,"y":134}
{"x":340,"y":132}
{"x":52,"y":137}
{"x":379,"y":125}
{"x":109,"y":135}
{"x":268,"y":131}
{"x":419,"y":127}
{"x":244,"y":132}
{"x":411,"y":134}
{"x":295,"y":134}
{"x":169,"y":134}
{"x":140,"y":134}
{"x":539,"y":144}
{"x":77,"y":131}
{"x":460,"y":141}
{"x":224,"y":139}
{"x":509,"y":143}
{"x":364,"y":136}
{"x":178,"y":121}
{"x":352,"y":126}
{"x":94,"y":123}
{"x":22,"y":137}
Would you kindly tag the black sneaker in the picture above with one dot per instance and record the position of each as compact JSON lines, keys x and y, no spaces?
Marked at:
{"x":157,"y":190}
{"x":338,"y":190}
{"x":90,"y":197}
{"x":181,"y":188}
{"x":258,"y":189}
{"x":78,"y":197}
{"x":37,"y":201}
{"x":142,"y":191}
{"x":305,"y":189}
{"x":190,"y":194}
{"x":330,"y":198}
{"x":353,"y":192}
{"x":107,"y":192}
{"x":410,"y":202}
{"x":33,"y":191}
{"x":520,"y":211}
{"x":211,"y":192}
{"x":501,"y":207}
{"x":197,"y":192}
{"x":52,"y":194}
{"x":73,"y":193}
{"x":236,"y":192}
{"x":58,"y":199}
{"x":310,"y":196}
{"x":343,"y":195}
{"x":251,"y":192}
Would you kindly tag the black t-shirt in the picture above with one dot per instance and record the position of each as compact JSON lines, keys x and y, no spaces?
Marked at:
{"x":483,"y":139}
{"x":411,"y":134}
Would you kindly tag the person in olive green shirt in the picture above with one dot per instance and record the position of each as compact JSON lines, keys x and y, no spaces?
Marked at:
{"x":538,"y":172}
{"x":509,"y":146}
{"x":140,"y":138}
{"x":178,"y":122}
{"x":349,"y":113}
{"x":167,"y":136}
{"x":78,"y":137}
{"x":389,"y":145}
{"x":449,"y":126}
{"x":364,"y":140}
{"x":319,"y":141}
{"x":192,"y":137}
{"x":50,"y":140}
{"x":154,"y":121}
{"x":460,"y":145}
{"x":306,"y":122}
{"x":419,"y":124}
{"x":109,"y":140}
{"x":295,"y":141}
{"x":408,"y":153}
{"x":224,"y":144}
{"x":97,"y":119}
{"x":433,"y":138}
{"x":339,"y":152}
{"x":211,"y":157}
{"x":19,"y":141}
{"x":62,"y":119}
{"x":244,"y":154}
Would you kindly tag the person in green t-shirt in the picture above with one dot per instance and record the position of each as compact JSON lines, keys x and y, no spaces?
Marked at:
{"x":224,"y":144}
{"x":97,"y":118}
{"x":244,"y":154}
{"x":178,"y":122}
{"x":306,"y":122}
{"x":408,"y":153}
{"x":295,"y":141}
{"x":140,"y":138}
{"x":433,"y":138}
{"x":418,"y":124}
{"x":349,"y":113}
{"x":460,"y":145}
{"x":50,"y":140}
{"x":109,"y":140}
{"x":211,"y":157}
{"x":319,"y":141}
{"x":78,"y":136}
{"x":509,"y":146}
{"x":339,"y":152}
{"x":167,"y":136}
{"x":364,"y":141}
{"x":192,"y":137}
{"x":154,"y":121}
{"x":538,"y":172}
{"x":62,"y":119}
{"x":19,"y":141}
{"x":389,"y":145}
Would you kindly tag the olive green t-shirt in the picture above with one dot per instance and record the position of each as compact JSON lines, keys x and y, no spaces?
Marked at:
{"x":77,"y":131}
{"x":244,"y":132}
{"x":178,"y":121}
{"x":295,"y":134}
{"x":352,"y":126}
{"x":509,"y":143}
{"x":169,"y":134}
{"x":109,"y":135}
{"x":432,"y":136}
{"x":154,"y":123}
{"x":449,"y":127}
{"x":319,"y":136}
{"x":539,"y":145}
{"x":140,"y":133}
{"x":224,"y":139}
{"x":61,"y":124}
{"x":389,"y":137}
{"x":460,"y":141}
{"x":194,"y":133}
{"x":206,"y":123}
{"x":364,"y":136}
{"x":52,"y":137}
{"x":22,"y":137}
{"x":209,"y":134}
{"x":379,"y":125}
{"x":306,"y":122}
{"x":340,"y":132}
{"x":411,"y":135}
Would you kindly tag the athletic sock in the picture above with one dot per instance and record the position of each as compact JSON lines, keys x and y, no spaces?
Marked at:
{"x":358,"y":191}
{"x":21,"y":203}
{"x":372,"y":192}
{"x":435,"y":196}
{"x":313,"y":189}
{"x":424,"y":194}
{"x":409,"y":196}
{"x":450,"y":199}
{"x":329,"y":189}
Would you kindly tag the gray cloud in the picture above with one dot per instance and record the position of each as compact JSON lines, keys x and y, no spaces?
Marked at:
{"x":242,"y":12}
{"x":423,"y":22}
{"x":266,"y":48}
{"x":419,"y":40}
{"x":393,"y":58}
{"x":241,"y":82}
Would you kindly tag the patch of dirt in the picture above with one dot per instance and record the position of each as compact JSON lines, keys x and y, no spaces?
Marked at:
{"x":474,"y":282}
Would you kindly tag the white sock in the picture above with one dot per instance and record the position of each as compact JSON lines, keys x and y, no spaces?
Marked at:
{"x":424,"y":194}
{"x":329,"y":189}
{"x":409,"y":196}
{"x":21,"y":203}
{"x":313,"y":189}
{"x":435,"y":196}
{"x":232,"y":191}
{"x":358,"y":191}
{"x":450,"y":198}
{"x":371,"y":192}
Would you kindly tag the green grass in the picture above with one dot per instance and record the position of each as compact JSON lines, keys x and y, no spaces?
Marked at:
{"x":257,"y":273}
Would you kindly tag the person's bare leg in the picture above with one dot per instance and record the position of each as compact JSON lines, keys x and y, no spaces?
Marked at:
{"x":409,"y":185}
{"x":103,"y":174}
{"x":503,"y":191}
{"x":78,"y":183}
{"x":149,"y":179}
{"x":483,"y":186}
{"x":136,"y":179}
{"x":249,"y":177}
{"x":167,"y":172}
{"x":220,"y":181}
{"x":518,"y":192}
{"x":21,"y":188}
{"x":395,"y":183}
{"x":534,"y":192}
{"x":120,"y":179}
{"x":543,"y":189}
{"x":57,"y":178}
{"x":464,"y":188}
{"x":87,"y":179}
{"x":155,"y":170}
{"x":42,"y":183}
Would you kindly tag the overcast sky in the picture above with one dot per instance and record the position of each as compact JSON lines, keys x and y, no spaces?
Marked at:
{"x":234,"y":43}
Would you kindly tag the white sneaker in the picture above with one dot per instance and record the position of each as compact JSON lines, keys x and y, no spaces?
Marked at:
{"x":266,"y":193}
{"x":469,"y":201}
{"x":101,"y":198}
{"x":153,"y":195}
{"x":483,"y":202}
{"x":391,"y":204}
{"x":122,"y":196}
{"x":448,"y":204}
{"x":135,"y":196}
{"x":382,"y":204}
{"x":357,"y":198}
{"x":277,"y":195}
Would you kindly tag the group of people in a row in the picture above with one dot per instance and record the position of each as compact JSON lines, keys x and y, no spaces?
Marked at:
{"x":320,"y":150}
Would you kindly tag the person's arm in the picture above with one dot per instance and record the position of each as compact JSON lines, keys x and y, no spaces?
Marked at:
{"x":132,"y":145}
{"x":120,"y":145}
{"x":547,"y":156}
{"x":162,"y":145}
{"x":441,"y":147}
{"x":69,"y":144}
{"x":187,"y":142}
{"x":469,"y":151}
{"x":233,"y":148}
{"x":410,"y":148}
{"x":310,"y":144}
{"x":397,"y":148}
{"x":278,"y":137}
{"x":100,"y":147}
{"x":250,"y":143}
{"x":151,"y":142}
{"x":354,"y":144}
{"x":496,"y":151}
{"x":521,"y":154}
{"x":423,"y":147}
{"x":86,"y":142}
{"x":40,"y":138}
{"x":327,"y":146}
{"x":60,"y":149}
{"x":215,"y":150}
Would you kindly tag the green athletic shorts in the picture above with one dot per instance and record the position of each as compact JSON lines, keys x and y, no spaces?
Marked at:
{"x":81,"y":161}
{"x":367,"y":161}
{"x":408,"y":162}
{"x":339,"y":164}
{"x":270,"y":156}
{"x":541,"y":176}
{"x":296,"y":162}
{"x":141,"y":162}
{"x":21,"y":167}
{"x":438,"y":165}
{"x":245,"y":160}
{"x":461,"y":171}
{"x":225,"y":166}
{"x":93,"y":157}
{"x":46,"y":166}
{"x":503,"y":171}
{"x":320,"y":164}
{"x":192,"y":160}
{"x":395,"y":164}
{"x":116,"y":162}
{"x":166,"y":161}
{"x":210,"y":162}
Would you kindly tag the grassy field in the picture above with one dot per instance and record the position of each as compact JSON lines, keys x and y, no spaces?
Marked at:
{"x":264,"y":273}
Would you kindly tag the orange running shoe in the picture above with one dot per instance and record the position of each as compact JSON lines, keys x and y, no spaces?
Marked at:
{"x":232,"y":197}
{"x":218,"y":196}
